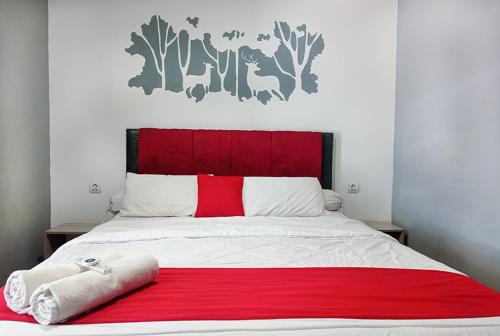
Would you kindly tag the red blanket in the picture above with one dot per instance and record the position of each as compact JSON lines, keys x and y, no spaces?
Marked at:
{"x":273,"y":293}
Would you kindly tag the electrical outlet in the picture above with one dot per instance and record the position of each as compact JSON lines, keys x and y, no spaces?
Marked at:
{"x":94,"y":188}
{"x":353,"y":188}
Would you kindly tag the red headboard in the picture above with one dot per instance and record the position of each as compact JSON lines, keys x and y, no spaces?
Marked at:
{"x":230,"y":152}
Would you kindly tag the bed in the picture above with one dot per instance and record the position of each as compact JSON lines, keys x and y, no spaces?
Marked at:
{"x":331,"y":240}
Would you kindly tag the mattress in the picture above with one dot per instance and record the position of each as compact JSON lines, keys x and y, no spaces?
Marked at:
{"x":330,"y":240}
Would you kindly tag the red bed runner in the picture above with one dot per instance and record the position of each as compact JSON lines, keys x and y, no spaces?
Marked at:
{"x":273,"y":293}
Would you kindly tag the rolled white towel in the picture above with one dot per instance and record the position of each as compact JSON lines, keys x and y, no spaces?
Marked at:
{"x":21,"y":284}
{"x":62,"y":299}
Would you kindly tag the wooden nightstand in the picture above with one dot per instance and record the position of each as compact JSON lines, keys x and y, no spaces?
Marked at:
{"x":57,"y":236}
{"x":392,"y":230}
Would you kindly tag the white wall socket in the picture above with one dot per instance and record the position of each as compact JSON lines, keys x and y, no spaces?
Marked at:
{"x":353,"y":188}
{"x":94,"y":188}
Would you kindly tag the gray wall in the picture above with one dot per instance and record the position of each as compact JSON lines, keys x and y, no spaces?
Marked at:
{"x":24,"y":133}
{"x":447,"y":138}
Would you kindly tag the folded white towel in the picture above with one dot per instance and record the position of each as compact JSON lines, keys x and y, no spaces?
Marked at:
{"x":65,"y":298}
{"x":21,"y":284}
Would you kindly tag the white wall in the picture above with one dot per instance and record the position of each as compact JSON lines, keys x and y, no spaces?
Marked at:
{"x":447,"y":162}
{"x":24,"y":133}
{"x":91,"y":104}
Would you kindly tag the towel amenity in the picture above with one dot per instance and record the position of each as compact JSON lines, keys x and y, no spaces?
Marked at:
{"x":62,"y":299}
{"x":21,"y":284}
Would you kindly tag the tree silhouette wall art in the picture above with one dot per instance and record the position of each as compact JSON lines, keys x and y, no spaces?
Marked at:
{"x":196,"y":64}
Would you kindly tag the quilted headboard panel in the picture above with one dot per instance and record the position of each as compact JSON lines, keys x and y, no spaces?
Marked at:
{"x":231,"y":152}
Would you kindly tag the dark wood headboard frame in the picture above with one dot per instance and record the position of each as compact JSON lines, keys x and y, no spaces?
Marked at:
{"x":326,"y":169}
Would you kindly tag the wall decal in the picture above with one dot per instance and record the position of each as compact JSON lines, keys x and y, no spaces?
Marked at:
{"x":193,"y":21}
{"x":263,"y":37}
{"x":196,"y":63}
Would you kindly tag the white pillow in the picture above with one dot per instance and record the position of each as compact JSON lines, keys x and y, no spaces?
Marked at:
{"x":283,"y":196}
{"x":159,"y":195}
{"x":333,"y":200}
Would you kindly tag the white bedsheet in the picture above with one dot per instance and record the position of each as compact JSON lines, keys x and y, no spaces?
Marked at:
{"x":329,"y":240}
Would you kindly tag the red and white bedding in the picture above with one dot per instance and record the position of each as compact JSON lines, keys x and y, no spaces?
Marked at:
{"x":332,"y":241}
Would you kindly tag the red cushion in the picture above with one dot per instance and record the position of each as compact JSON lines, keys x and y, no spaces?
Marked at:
{"x":297,"y":154}
{"x":251,"y":153}
{"x":220,"y":196}
{"x":165,"y":152}
{"x":212,"y":152}
{"x":223,"y":152}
